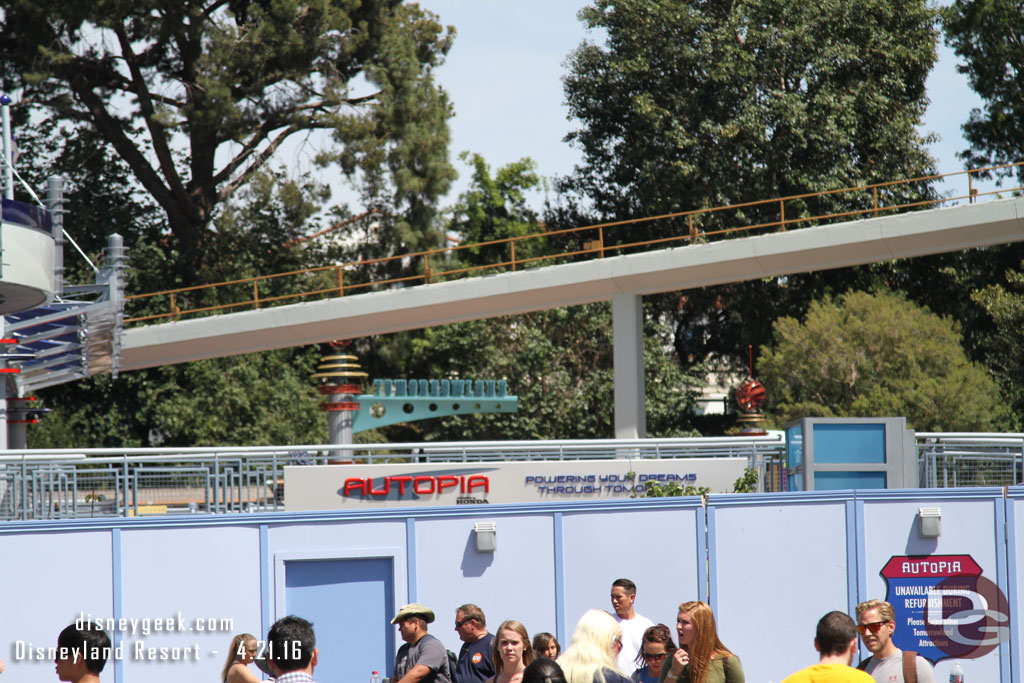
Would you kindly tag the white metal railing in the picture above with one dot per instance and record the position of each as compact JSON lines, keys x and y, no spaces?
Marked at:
{"x":93,"y":482}
{"x":97,"y":482}
{"x":956,"y":459}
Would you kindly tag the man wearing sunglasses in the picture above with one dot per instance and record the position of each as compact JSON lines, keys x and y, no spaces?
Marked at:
{"x":876,"y":622}
{"x":474,"y":664}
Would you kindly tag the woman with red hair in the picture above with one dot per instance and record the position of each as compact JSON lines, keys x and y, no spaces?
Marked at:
{"x":701,"y":657}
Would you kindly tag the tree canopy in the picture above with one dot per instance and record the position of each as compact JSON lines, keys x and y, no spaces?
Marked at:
{"x":695,"y":104}
{"x":868,"y":355}
{"x":197,"y":95}
{"x":989,"y":36}
{"x":559,"y":361}
{"x":692,"y":104}
{"x":1004,"y":346}
{"x":684,"y":104}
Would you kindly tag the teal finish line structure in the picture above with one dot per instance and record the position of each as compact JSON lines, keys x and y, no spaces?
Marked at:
{"x":400,"y":400}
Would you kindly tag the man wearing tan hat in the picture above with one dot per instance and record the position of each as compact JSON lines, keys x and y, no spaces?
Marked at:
{"x":423,"y":658}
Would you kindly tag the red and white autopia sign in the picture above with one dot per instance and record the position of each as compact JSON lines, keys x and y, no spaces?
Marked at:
{"x":944,"y":607}
{"x":329,"y":487}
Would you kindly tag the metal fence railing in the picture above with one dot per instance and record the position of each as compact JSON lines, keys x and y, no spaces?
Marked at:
{"x":549,"y":247}
{"x":142,"y":481}
{"x":952,"y":460}
{"x":146,"y":481}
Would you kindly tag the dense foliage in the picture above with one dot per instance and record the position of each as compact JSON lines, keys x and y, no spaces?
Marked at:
{"x":988,"y":35}
{"x":165,"y":116}
{"x":1004,"y":345}
{"x":559,"y":362}
{"x":876,"y":354}
{"x":196,"y":96}
{"x":695,"y":104}
{"x":692,"y":104}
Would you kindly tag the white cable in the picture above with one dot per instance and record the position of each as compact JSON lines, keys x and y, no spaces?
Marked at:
{"x":72,"y":240}
{"x":43,"y":206}
{"x":22,"y":181}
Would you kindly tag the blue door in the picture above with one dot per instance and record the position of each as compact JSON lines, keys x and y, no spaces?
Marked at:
{"x":350,"y":603}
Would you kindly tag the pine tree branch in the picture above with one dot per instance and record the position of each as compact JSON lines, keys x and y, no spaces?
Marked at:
{"x":108,"y":126}
{"x":156,"y":130}
{"x":264,"y":154}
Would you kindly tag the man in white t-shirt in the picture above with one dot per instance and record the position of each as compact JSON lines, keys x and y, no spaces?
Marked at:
{"x":633,"y":625}
{"x":876,"y":622}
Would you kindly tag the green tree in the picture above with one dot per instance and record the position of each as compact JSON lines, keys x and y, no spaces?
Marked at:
{"x":262,"y":398}
{"x":877,"y":354}
{"x":1004,"y":347}
{"x":195,"y":96}
{"x":257,"y":79}
{"x":256,"y":399}
{"x":496,"y":208}
{"x":100,"y":197}
{"x":559,"y":362}
{"x":691,"y":104}
{"x":987,"y":36}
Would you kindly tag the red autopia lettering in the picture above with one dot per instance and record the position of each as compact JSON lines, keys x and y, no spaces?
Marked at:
{"x":422,"y":485}
{"x":402,"y":480}
{"x":478,"y":481}
{"x":355,"y":485}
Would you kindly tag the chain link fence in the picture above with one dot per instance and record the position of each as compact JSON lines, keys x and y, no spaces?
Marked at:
{"x":958,"y":460}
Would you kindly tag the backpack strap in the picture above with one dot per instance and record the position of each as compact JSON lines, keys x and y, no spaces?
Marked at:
{"x":909,"y":666}
{"x":864,"y":664}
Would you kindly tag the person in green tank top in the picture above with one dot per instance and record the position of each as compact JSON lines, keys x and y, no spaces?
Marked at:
{"x":701,"y":657}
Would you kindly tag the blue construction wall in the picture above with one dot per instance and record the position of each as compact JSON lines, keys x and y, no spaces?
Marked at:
{"x":780,"y":561}
{"x":777,"y":564}
{"x":1015,"y":552}
{"x":770,"y":565}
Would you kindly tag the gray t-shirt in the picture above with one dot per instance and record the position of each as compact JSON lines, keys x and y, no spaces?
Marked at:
{"x":428,"y":651}
{"x":890,"y":669}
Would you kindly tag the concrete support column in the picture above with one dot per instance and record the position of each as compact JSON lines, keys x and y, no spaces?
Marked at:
{"x":630,"y":390}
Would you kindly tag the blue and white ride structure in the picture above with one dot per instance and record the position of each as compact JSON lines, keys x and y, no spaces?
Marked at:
{"x":51,"y":332}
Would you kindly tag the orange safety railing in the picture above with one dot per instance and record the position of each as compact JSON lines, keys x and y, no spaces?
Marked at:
{"x":700,"y":225}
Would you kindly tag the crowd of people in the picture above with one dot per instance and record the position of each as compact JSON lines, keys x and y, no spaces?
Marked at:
{"x":606,"y":647}
{"x":623,"y":646}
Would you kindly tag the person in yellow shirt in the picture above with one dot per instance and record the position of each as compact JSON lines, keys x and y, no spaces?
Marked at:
{"x":836,"y":643}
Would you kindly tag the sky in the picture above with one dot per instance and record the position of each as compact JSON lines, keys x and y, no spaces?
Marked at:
{"x":504,"y":76}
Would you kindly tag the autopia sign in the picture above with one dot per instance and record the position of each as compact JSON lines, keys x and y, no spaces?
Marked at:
{"x":328,"y":487}
{"x":944,"y":607}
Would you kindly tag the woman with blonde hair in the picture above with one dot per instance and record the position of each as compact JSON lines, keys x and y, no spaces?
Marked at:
{"x":590,"y":657}
{"x":241,"y":653}
{"x":701,"y":657}
{"x":511,"y":653}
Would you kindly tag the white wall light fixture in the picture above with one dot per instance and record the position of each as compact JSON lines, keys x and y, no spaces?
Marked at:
{"x":929,"y":522}
{"x":486,"y":536}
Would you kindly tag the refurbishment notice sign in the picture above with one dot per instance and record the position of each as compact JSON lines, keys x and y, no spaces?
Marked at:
{"x":944,"y":607}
